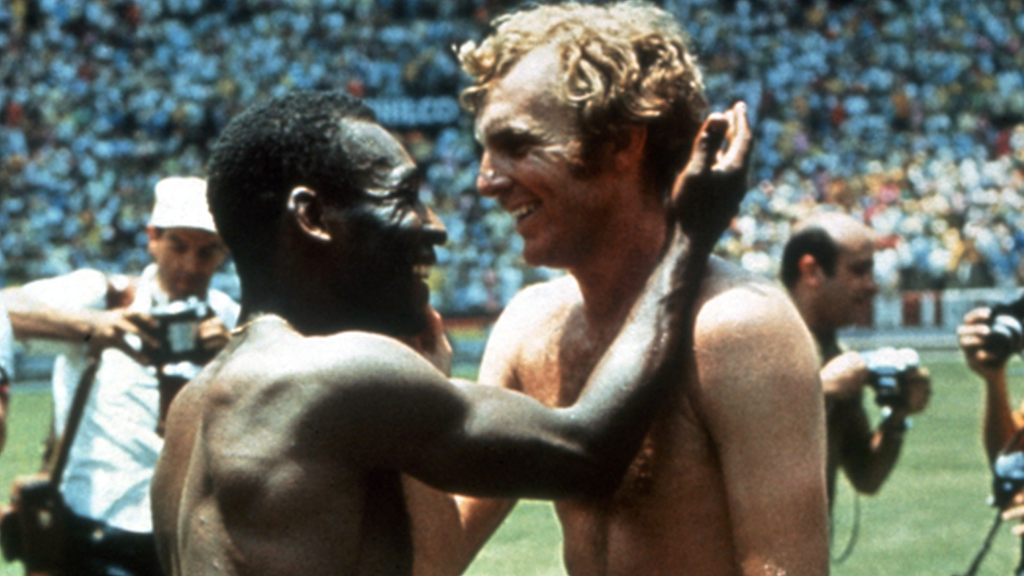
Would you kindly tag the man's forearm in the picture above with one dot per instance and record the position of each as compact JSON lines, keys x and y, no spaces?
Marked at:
{"x":886,"y":444}
{"x":31,"y":318}
{"x":624,"y":389}
{"x":999,"y":424}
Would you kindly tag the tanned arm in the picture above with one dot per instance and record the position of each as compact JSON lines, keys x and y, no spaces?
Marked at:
{"x":759,"y":393}
{"x":999,"y":422}
{"x":868,"y":456}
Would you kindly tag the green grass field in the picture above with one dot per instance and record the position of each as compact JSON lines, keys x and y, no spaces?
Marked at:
{"x":928,"y":520}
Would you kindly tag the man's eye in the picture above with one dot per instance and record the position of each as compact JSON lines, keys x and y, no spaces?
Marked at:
{"x":515,"y":145}
{"x":519,"y":149}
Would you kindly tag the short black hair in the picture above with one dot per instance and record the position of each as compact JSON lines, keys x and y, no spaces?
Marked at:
{"x":265,"y":152}
{"x":815,"y":241}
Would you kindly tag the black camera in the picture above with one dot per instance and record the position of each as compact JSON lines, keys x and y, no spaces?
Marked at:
{"x":1006,"y":336}
{"x":177,"y":330}
{"x":1007,"y":478}
{"x":888,"y":368}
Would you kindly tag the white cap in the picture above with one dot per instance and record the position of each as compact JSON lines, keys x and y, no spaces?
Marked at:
{"x":181,"y":203}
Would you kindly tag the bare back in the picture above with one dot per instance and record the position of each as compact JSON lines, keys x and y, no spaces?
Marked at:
{"x":676,"y":509}
{"x":246,"y":487}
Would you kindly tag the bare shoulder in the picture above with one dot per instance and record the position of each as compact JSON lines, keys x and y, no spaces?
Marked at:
{"x":271,"y":389}
{"x":749,"y":340}
{"x":736,"y":305}
{"x":539,"y":303}
{"x":273,"y":361}
{"x":531,"y":321}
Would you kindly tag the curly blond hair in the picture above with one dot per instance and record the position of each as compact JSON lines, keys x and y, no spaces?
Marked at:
{"x":625,"y":64}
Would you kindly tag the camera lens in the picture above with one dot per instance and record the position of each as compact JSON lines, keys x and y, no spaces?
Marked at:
{"x":1006,"y":336}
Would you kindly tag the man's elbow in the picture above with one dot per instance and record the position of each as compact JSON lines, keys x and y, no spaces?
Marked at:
{"x":868,"y":484}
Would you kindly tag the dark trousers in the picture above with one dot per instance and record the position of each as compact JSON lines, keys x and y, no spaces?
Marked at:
{"x":95,"y":548}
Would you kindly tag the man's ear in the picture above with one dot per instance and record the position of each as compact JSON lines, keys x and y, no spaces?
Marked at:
{"x":810,"y":271}
{"x":306,"y":207}
{"x":154,"y":236}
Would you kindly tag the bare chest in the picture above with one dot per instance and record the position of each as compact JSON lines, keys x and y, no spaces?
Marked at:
{"x":670,"y":508}
{"x":555,"y":363}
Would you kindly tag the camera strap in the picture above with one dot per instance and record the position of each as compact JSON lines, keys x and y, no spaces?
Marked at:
{"x":985,"y":546}
{"x":854,"y":532}
{"x":987,"y":543}
{"x":85,"y":382}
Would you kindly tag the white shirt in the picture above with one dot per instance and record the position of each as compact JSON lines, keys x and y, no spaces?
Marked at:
{"x":110,"y":466}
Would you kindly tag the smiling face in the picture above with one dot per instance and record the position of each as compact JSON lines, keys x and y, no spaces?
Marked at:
{"x":383,"y":236}
{"x":531,"y":141}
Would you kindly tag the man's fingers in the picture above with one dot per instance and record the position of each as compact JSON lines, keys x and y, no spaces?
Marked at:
{"x":977,"y":315}
{"x":739,"y":136}
{"x":1014,"y":513}
{"x":980,"y":330}
{"x":709,"y":141}
{"x":703,"y":155}
{"x":142,"y":331}
{"x":214,"y":343}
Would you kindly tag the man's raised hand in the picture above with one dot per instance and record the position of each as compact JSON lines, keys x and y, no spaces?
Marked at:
{"x":707,"y":193}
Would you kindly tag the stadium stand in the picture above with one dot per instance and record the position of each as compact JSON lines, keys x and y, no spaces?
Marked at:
{"x":906,"y":113}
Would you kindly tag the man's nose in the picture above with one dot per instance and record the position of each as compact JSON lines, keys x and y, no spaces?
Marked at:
{"x":191,"y":264}
{"x":433,"y":229}
{"x":491,"y":179}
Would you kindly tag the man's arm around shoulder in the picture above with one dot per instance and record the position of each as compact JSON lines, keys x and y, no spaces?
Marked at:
{"x":449,"y":530}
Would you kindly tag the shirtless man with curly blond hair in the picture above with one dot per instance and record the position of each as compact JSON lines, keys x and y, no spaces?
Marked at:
{"x":586,"y":114}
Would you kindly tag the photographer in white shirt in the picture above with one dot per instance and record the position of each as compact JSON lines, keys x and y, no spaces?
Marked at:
{"x":91,"y":314}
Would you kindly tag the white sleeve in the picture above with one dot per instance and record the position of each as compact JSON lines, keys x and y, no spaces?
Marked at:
{"x":77,"y":290}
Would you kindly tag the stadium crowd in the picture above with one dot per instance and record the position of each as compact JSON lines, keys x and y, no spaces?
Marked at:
{"x":906,"y":113}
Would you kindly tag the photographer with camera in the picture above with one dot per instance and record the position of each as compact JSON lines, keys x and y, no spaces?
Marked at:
{"x":142,"y":335}
{"x":828,"y":268}
{"x":988,"y":337}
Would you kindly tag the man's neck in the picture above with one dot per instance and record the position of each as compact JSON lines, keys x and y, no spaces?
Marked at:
{"x":828,"y":342}
{"x":618,"y":272}
{"x":312,"y":316}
